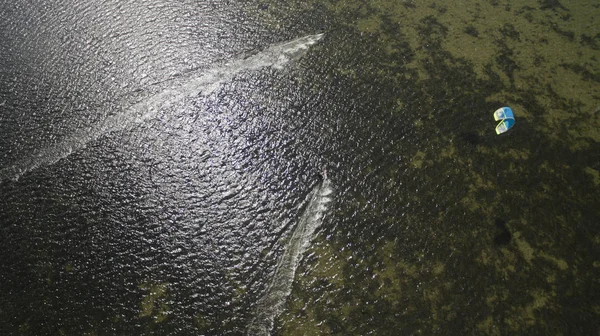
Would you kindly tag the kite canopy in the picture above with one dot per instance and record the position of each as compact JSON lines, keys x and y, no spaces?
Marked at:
{"x":508,"y":119}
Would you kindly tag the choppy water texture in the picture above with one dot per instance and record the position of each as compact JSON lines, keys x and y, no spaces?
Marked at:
{"x":272,"y":303}
{"x":203,"y":82}
{"x":160,"y":168}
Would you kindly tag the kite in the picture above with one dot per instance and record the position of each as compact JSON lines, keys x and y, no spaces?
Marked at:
{"x":505,"y":114}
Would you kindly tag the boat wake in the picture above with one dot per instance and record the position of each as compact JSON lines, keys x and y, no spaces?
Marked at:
{"x":202,"y":83}
{"x":271,"y":304}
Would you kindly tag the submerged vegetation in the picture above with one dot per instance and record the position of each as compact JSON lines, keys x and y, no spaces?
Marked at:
{"x":460,"y":230}
{"x":438,"y":225}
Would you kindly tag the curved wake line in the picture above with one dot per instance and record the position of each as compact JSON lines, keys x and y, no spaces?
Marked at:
{"x":204,"y":83}
{"x":271,"y":304}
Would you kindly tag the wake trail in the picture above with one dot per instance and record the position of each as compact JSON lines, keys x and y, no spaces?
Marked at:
{"x":202,"y":83}
{"x":271,"y":304}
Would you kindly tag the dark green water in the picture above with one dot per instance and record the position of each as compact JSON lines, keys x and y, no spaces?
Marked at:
{"x":145,"y":206}
{"x":449,"y":228}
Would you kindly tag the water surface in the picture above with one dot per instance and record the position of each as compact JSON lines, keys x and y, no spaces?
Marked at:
{"x":158,"y":162}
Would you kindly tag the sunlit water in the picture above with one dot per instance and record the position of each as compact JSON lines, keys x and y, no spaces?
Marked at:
{"x":160,"y":168}
{"x":195,"y":84}
{"x":133,"y":189}
{"x":272,"y":303}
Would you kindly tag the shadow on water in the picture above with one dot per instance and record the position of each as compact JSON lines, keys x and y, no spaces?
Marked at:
{"x":502,"y":235}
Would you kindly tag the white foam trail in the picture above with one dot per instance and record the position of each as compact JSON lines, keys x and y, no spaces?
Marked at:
{"x":205,"y":82}
{"x":271,"y":304}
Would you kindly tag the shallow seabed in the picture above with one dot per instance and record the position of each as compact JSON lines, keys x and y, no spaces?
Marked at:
{"x":453,"y":229}
{"x":155,"y":158}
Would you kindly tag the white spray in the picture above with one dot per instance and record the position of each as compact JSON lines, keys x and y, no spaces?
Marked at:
{"x":272,"y":303}
{"x":202,"y":83}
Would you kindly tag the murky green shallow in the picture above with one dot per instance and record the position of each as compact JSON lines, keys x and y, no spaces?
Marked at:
{"x":462,"y":231}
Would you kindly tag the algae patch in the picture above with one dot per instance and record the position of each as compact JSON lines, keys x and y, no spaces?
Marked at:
{"x":153,"y":304}
{"x":594,"y":174}
{"x":527,"y":252}
{"x":560,"y":263}
{"x":418,"y":159}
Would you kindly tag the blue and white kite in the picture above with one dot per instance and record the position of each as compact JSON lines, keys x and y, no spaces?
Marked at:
{"x":508,"y":119}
